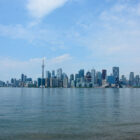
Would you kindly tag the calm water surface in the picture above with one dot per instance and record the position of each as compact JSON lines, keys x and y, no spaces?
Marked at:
{"x":69,"y":114}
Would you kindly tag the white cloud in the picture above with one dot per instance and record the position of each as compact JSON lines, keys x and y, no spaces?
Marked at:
{"x":41,"y":8}
{"x":35,"y":36}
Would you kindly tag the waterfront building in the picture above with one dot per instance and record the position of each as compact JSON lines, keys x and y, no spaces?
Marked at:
{"x":116,"y":74}
{"x":73,"y":84}
{"x":2,"y":84}
{"x":93,"y":77}
{"x":39,"y":82}
{"x":88,"y":77}
{"x":81,"y":73}
{"x":99,"y":78}
{"x":71,"y":77}
{"x":65,"y":82}
{"x":123,"y":80}
{"x":53,"y":73}
{"x":48,"y":74}
{"x":59,"y":73}
{"x":111,"y":80}
{"x":137,"y":81}
{"x":47,"y":82}
{"x":131,"y":79}
{"x":104,"y":74}
{"x":54,"y":82}
{"x":43,"y":82}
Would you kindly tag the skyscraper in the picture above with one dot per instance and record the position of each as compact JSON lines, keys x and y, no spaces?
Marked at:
{"x":53,"y":73}
{"x":116,"y":74}
{"x":93,"y":77}
{"x":131,"y":79}
{"x":104,"y":74}
{"x":48,"y":74}
{"x":88,"y":77}
{"x":71,"y":77}
{"x":59,"y":73}
{"x":81,"y":73}
{"x":99,"y":78}
{"x":137,"y":81}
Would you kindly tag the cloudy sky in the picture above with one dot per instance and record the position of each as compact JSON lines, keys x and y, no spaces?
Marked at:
{"x":71,"y":34}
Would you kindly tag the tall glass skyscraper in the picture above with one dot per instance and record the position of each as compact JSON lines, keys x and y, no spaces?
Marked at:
{"x":59,"y":73}
{"x":116,"y":74}
{"x":104,"y":74}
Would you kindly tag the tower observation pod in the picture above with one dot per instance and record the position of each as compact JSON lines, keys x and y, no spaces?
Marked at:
{"x":43,"y":66}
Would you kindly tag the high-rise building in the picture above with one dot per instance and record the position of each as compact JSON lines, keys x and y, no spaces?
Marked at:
{"x":65,"y":82}
{"x":47,"y":82}
{"x":131,"y":79}
{"x":53,"y":73}
{"x":116,"y":74}
{"x":23,"y":78}
{"x":39,"y":82}
{"x":137,"y":81}
{"x":81,"y":73}
{"x":99,"y":78}
{"x":71,"y":77}
{"x":93,"y":77}
{"x":54,"y":82}
{"x":76,"y":76}
{"x":59,"y":73}
{"x":88,"y":77}
{"x":48,"y":74}
{"x":64,"y":75}
{"x":124,"y":80}
{"x":104,"y":74}
{"x":111,"y":80}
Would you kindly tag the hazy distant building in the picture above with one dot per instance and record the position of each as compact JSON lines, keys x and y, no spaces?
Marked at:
{"x":23,"y":78}
{"x":88,"y":77}
{"x":93,"y":77}
{"x":39,"y":82}
{"x":81,"y":73}
{"x":53,"y":73}
{"x":116,"y":74}
{"x":48,"y":74}
{"x":2,"y":84}
{"x":59,"y":73}
{"x":124,"y":80}
{"x":104,"y":74}
{"x":111,"y":80}
{"x":54,"y":82}
{"x":71,"y":77}
{"x":99,"y":78}
{"x":47,"y":82}
{"x":65,"y":82}
{"x":137,"y":81}
{"x":131,"y":79}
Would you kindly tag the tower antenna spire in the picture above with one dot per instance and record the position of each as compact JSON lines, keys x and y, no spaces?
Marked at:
{"x":43,"y":66}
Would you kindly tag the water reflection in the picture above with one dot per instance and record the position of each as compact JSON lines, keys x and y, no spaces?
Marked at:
{"x":69,"y":114}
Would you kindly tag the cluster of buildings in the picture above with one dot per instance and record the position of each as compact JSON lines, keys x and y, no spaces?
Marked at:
{"x":82,"y":79}
{"x":89,"y":79}
{"x":23,"y":82}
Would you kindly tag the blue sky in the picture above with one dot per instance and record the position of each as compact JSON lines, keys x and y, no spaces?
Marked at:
{"x":71,"y":34}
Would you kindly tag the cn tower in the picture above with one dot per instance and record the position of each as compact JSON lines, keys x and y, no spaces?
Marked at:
{"x":43,"y":66}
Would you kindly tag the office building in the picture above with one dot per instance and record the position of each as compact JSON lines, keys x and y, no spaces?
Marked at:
{"x":116,"y":74}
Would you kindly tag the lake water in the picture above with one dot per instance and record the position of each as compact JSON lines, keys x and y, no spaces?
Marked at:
{"x":69,"y":114}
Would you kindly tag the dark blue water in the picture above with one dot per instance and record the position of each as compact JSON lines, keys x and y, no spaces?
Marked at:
{"x":69,"y":114}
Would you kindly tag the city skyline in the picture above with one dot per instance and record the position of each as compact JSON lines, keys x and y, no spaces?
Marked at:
{"x":80,"y":79}
{"x":71,"y":34}
{"x":43,"y":70}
